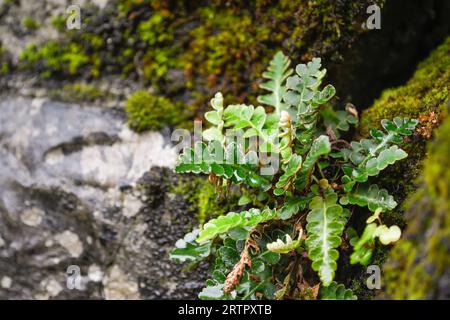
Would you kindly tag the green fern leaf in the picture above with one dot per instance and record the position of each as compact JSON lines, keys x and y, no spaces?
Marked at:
{"x":370,"y":196}
{"x":304,"y":96}
{"x":336,"y":292}
{"x":289,"y":175}
{"x":325,"y":224}
{"x":276,"y":73}
{"x":187,"y":249}
{"x":215,"y":117}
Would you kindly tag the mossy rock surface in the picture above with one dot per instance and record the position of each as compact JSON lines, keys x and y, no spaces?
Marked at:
{"x":419,"y":265}
{"x":416,"y":265}
{"x":427,"y":91}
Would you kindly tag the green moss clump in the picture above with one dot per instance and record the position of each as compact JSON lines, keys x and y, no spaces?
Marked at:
{"x":204,"y":200}
{"x":418,"y":265}
{"x":428,"y":90}
{"x":148,"y":112}
{"x":55,"y":58}
{"x":59,"y":22}
{"x":158,"y":34}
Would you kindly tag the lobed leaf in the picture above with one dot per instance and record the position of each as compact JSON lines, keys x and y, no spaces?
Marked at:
{"x":320,"y":147}
{"x":369,"y":156}
{"x":290,"y":173}
{"x":303,"y":95}
{"x":223,"y":224}
{"x":277,"y":73}
{"x":370,"y":196}
{"x":336,"y":292}
{"x":325,"y":224}
{"x":293,"y":205}
{"x":187,"y":249}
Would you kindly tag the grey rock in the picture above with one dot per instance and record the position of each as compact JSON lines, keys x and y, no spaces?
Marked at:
{"x":77,"y":188}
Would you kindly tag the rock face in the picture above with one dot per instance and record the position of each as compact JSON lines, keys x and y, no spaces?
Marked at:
{"x":417,"y":266}
{"x":76,"y":190}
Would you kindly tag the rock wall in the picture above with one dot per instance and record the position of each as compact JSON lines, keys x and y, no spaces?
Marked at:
{"x":417,"y":267}
{"x":77,"y":187}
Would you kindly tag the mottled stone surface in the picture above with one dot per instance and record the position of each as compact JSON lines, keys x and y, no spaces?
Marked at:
{"x":78,"y":188}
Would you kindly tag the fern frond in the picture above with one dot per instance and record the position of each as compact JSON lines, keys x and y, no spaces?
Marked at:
{"x":187,"y":249}
{"x":222,"y":224}
{"x":304,"y":96}
{"x":277,"y":73}
{"x":229,"y":163}
{"x":325,"y":224}
{"x":371,"y":196}
{"x":321,"y":146}
{"x":215,"y":117}
{"x":336,"y":292}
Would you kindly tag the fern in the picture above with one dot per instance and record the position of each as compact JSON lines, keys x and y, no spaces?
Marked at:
{"x":336,"y":292}
{"x":187,"y":249}
{"x":369,"y":156}
{"x":216,"y":118}
{"x":326,"y":222}
{"x":230,"y":164}
{"x":320,"y":147}
{"x":305,"y":98}
{"x":319,"y":180}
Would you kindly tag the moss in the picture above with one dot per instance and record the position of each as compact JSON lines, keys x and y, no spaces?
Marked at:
{"x":30,"y":24}
{"x":192,"y":49}
{"x":418,"y":265}
{"x":427,"y":91}
{"x":78,"y":92}
{"x":148,"y":112}
{"x":205,"y":201}
{"x":55,"y":58}
{"x":157,"y":33}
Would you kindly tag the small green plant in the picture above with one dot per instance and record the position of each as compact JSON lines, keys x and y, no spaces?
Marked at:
{"x":54,"y":58}
{"x":288,"y":247}
{"x":29,"y":23}
{"x":148,"y":112}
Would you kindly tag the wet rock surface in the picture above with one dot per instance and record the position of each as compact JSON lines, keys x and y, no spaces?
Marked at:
{"x":77,"y":188}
